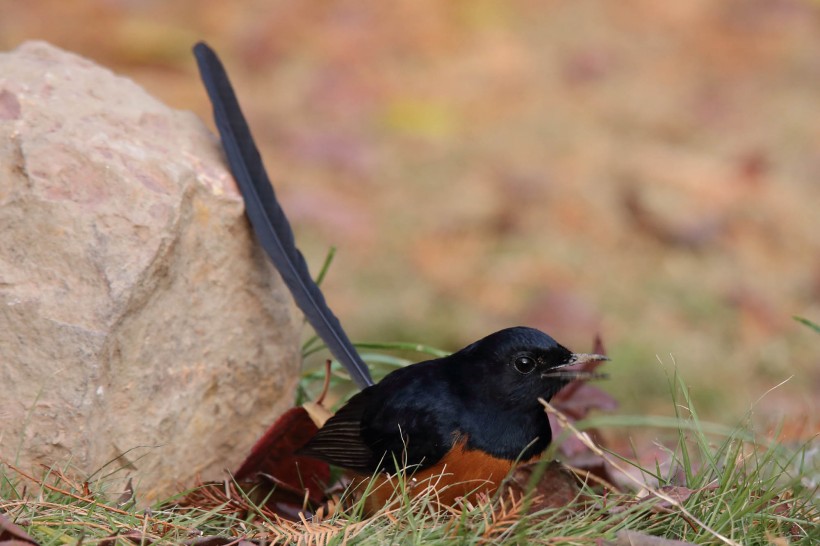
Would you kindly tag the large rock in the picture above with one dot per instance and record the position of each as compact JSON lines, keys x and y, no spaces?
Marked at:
{"x":140,"y":326}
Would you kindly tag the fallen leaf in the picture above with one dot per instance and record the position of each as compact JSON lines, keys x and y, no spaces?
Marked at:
{"x":556,"y":486}
{"x":273,"y":457}
{"x":13,"y":534}
{"x":676,"y":492}
{"x":584,"y":399}
{"x":127,"y":495}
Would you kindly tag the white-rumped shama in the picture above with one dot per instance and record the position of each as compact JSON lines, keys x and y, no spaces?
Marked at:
{"x":463,"y":419}
{"x":467,"y":417}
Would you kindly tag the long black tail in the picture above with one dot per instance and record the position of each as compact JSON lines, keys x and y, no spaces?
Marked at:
{"x":267,"y":217}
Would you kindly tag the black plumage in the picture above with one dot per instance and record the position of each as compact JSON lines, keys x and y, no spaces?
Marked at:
{"x":485,"y":395}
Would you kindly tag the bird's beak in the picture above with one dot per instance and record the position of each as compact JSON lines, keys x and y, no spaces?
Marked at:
{"x":579,"y":359}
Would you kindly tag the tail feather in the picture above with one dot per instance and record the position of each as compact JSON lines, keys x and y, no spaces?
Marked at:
{"x":267,"y":217}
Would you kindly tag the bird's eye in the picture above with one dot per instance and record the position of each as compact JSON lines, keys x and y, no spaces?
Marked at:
{"x":524,"y":364}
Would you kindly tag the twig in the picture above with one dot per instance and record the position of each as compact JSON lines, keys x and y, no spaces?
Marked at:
{"x":326,"y":385}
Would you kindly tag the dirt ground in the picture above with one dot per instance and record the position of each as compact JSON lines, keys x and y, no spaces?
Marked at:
{"x":646,"y":170}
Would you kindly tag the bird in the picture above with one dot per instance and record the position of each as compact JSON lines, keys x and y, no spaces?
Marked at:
{"x":463,"y":420}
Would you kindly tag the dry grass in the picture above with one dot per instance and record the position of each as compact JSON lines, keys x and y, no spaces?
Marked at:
{"x":724,"y":488}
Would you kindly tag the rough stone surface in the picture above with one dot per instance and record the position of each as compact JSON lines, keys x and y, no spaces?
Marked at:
{"x":140,"y":325}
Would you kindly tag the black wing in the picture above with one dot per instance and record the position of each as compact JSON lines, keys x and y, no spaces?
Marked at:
{"x":405,"y":420}
{"x":267,"y":217}
{"x":339,"y":441}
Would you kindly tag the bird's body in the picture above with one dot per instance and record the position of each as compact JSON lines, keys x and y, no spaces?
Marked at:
{"x":462,"y":419}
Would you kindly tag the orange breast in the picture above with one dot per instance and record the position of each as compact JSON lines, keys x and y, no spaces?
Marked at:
{"x":460,"y":473}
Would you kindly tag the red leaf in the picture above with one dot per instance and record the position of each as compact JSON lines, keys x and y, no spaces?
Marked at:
{"x":273,"y":455}
{"x":585,"y":398}
{"x":578,"y":398}
{"x":11,"y":533}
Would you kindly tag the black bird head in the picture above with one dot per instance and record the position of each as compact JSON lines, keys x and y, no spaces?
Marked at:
{"x":519,"y":365}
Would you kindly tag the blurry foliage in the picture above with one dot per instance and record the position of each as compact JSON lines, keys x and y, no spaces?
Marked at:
{"x":640,"y":169}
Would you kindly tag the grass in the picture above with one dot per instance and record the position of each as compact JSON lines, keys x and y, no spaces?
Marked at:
{"x":720,"y":485}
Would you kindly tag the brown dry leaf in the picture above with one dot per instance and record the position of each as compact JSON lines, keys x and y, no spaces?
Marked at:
{"x":556,"y":487}
{"x":585,"y":398}
{"x":12,"y":534}
{"x":678,"y":493}
{"x":127,"y":495}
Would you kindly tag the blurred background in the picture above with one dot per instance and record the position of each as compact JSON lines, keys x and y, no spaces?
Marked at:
{"x":649,"y":171}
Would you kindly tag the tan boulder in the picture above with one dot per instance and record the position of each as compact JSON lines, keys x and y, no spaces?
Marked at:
{"x":141,"y":327}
